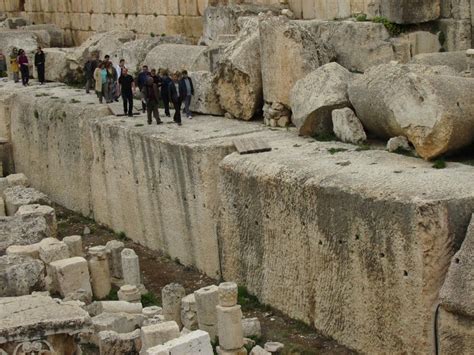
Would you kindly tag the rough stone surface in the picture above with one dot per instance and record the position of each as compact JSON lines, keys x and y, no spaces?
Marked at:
{"x":314,"y":97}
{"x":347,"y":126}
{"x":26,"y":315}
{"x":22,"y":230}
{"x":207,"y":298}
{"x":258,"y":350}
{"x":117,"y":322}
{"x":100,"y":271}
{"x":229,"y":325}
{"x":114,"y":248}
{"x":18,"y":196}
{"x":457,"y":34}
{"x":205,"y":99}
{"x":410,"y":11}
{"x":456,"y":333}
{"x":52,"y":249}
{"x":178,"y":57}
{"x":18,"y":180}
{"x":31,"y":250}
{"x":251,"y":328}
{"x":120,"y":307}
{"x":157,"y":334}
{"x":197,"y":342}
{"x":455,"y":60}
{"x":113,"y":343}
{"x":171,"y":296}
{"x":47,"y":212}
{"x":74,"y":244}
{"x":398,"y":144}
{"x":289,"y":51}
{"x":188,"y":312}
{"x":20,"y":275}
{"x":228,"y":293}
{"x":129,"y":293}
{"x":434,"y":111}
{"x":71,"y":275}
{"x":130,"y":267}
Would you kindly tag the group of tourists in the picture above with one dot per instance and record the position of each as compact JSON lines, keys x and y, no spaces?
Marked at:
{"x":19,"y":64}
{"x":112,"y":81}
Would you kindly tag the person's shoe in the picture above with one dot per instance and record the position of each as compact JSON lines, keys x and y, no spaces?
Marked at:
{"x":159,"y":122}
{"x":116,"y":100}
{"x":149,"y":122}
{"x":180,"y":124}
{"x":168,"y":115}
{"x":130,"y":115}
{"x":190,"y":117}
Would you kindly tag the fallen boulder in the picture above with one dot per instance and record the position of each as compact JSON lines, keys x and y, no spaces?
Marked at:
{"x":456,"y":60}
{"x":314,"y":97}
{"x":20,"y":275}
{"x":238,"y":79}
{"x":22,"y":230}
{"x":347,"y":126}
{"x":54,"y":34}
{"x":18,"y":196}
{"x":178,"y":57}
{"x":205,"y":99}
{"x":410,"y":11}
{"x":103,"y":43}
{"x":289,"y":51}
{"x":428,"y":105}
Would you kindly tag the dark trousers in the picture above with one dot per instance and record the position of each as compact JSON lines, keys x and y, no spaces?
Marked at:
{"x":127,"y":99}
{"x":177,"y":111}
{"x":40,"y":70}
{"x":25,"y":74}
{"x":166,"y":103}
{"x":152,"y":108}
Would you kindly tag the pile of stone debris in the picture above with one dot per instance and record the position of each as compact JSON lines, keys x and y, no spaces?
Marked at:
{"x":37,"y":265}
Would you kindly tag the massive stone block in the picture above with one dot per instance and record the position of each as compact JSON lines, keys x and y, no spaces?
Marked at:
{"x":22,"y":230}
{"x":20,"y":275}
{"x":205,"y":99}
{"x":435,"y":112}
{"x":456,"y":60}
{"x":178,"y":57}
{"x":410,"y":11}
{"x":354,"y":245}
{"x":288,"y":53}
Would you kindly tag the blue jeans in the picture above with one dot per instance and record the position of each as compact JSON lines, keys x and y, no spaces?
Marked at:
{"x":187,"y":103}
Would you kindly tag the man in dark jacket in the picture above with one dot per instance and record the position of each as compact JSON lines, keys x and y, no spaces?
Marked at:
{"x":187,"y":84}
{"x":141,"y":82}
{"x":151,"y":95}
{"x":89,"y":69}
{"x":39,"y":64}
{"x":165,"y":84}
{"x":127,"y":86}
{"x":177,"y":93}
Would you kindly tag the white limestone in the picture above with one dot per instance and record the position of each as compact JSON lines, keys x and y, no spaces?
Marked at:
{"x":228,"y":293}
{"x":129,"y":293}
{"x":188,"y":312}
{"x":115,"y":248}
{"x":157,"y":334}
{"x":120,"y":307}
{"x":74,"y":243}
{"x":70,"y":275}
{"x":207,"y":298}
{"x":130,"y":267}
{"x":51,"y":249}
{"x":47,"y":212}
{"x":100,"y":274}
{"x":229,"y":324}
{"x":197,"y":342}
{"x":171,"y":300}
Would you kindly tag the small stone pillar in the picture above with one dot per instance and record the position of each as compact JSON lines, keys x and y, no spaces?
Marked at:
{"x":171,"y":296}
{"x":130,"y":267}
{"x":74,"y":243}
{"x":470,"y":62}
{"x":229,"y":320}
{"x":99,"y":270}
{"x":188,"y":312}
{"x":157,"y":334}
{"x":129,"y":293}
{"x":115,"y":247}
{"x":207,"y":298}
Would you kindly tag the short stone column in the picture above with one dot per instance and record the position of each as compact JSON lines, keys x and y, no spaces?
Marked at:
{"x":156,"y":334}
{"x":229,"y":320}
{"x":115,"y":247}
{"x":130,"y":267}
{"x":99,"y":270}
{"x":188,"y":312}
{"x":74,"y":243}
{"x":129,"y":293}
{"x":171,"y":296}
{"x":207,"y":298}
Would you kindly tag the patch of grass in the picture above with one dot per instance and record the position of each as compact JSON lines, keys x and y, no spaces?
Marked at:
{"x":362,"y":147}
{"x":149,"y":299}
{"x":54,"y":97}
{"x":391,"y":27}
{"x":402,"y":151}
{"x":439,"y":164}
{"x":41,"y":94}
{"x":152,"y":34}
{"x":247,"y":300}
{"x":325,"y":137}
{"x":163,"y":35}
{"x":333,"y":151}
{"x":122,"y":236}
{"x":139,"y":125}
{"x":64,"y":114}
{"x":36,"y":114}
{"x":155,"y":14}
{"x":112,"y":296}
{"x":361,"y":17}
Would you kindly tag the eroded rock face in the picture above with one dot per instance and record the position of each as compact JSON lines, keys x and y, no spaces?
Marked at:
{"x":428,"y":105}
{"x":347,"y":126}
{"x":315,"y":97}
{"x":410,"y":11}
{"x":238,"y":77}
{"x":205,"y":100}
{"x":22,"y":230}
{"x":178,"y":57}
{"x":18,"y":196}
{"x":288,"y":53}
{"x":455,"y":60}
{"x":104,"y":43}
{"x":20,"y":275}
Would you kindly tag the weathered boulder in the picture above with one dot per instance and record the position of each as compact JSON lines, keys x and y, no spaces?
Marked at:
{"x":428,"y":105}
{"x":397,"y":144}
{"x":224,"y":20}
{"x":455,"y":60}
{"x":347,"y":126}
{"x":205,"y":99}
{"x":61,"y":66}
{"x":104,"y":43}
{"x":178,"y":57}
{"x":238,"y":79}
{"x":18,"y":196}
{"x":357,"y":45}
{"x":22,"y":230}
{"x":314,"y":97}
{"x":410,"y":11}
{"x":26,"y":40}
{"x":54,"y":34}
{"x":456,"y":34}
{"x":112,"y":343}
{"x":39,"y":210}
{"x":20,"y":275}
{"x":289,"y":52}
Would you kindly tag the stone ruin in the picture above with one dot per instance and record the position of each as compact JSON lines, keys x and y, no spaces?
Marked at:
{"x":362,"y":244}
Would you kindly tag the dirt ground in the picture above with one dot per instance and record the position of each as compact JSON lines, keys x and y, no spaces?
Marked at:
{"x":158,"y":271}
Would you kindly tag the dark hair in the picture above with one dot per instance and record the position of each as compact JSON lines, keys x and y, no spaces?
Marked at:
{"x":107,"y":56}
{"x":122,"y":60}
{"x":184,"y":72}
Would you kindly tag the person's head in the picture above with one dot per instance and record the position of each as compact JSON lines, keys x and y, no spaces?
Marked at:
{"x":107,"y":58}
{"x":101,"y":65}
{"x":145,"y":69}
{"x":21,"y":52}
{"x":38,"y":49}
{"x":184,"y":73}
{"x":149,"y":81}
{"x":153,"y":72}
{"x":124,"y":71}
{"x":122,"y":62}
{"x":176,"y":76}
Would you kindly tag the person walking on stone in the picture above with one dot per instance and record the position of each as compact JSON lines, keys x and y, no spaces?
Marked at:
{"x":23,"y":63}
{"x":187,"y":84}
{"x":111,"y":80}
{"x":177,"y":94}
{"x":14,"y":67}
{"x":3,"y":65}
{"x":165,"y":84}
{"x":141,"y":82}
{"x":100,"y":77}
{"x":127,"y":87}
{"x":151,"y":95}
{"x":89,"y":71}
{"x":39,"y":64}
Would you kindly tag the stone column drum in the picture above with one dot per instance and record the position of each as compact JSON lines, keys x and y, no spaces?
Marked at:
{"x":229,"y":319}
{"x":99,"y":270}
{"x":172,"y":295}
{"x":207,"y":298}
{"x":130,"y":267}
{"x":115,"y":248}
